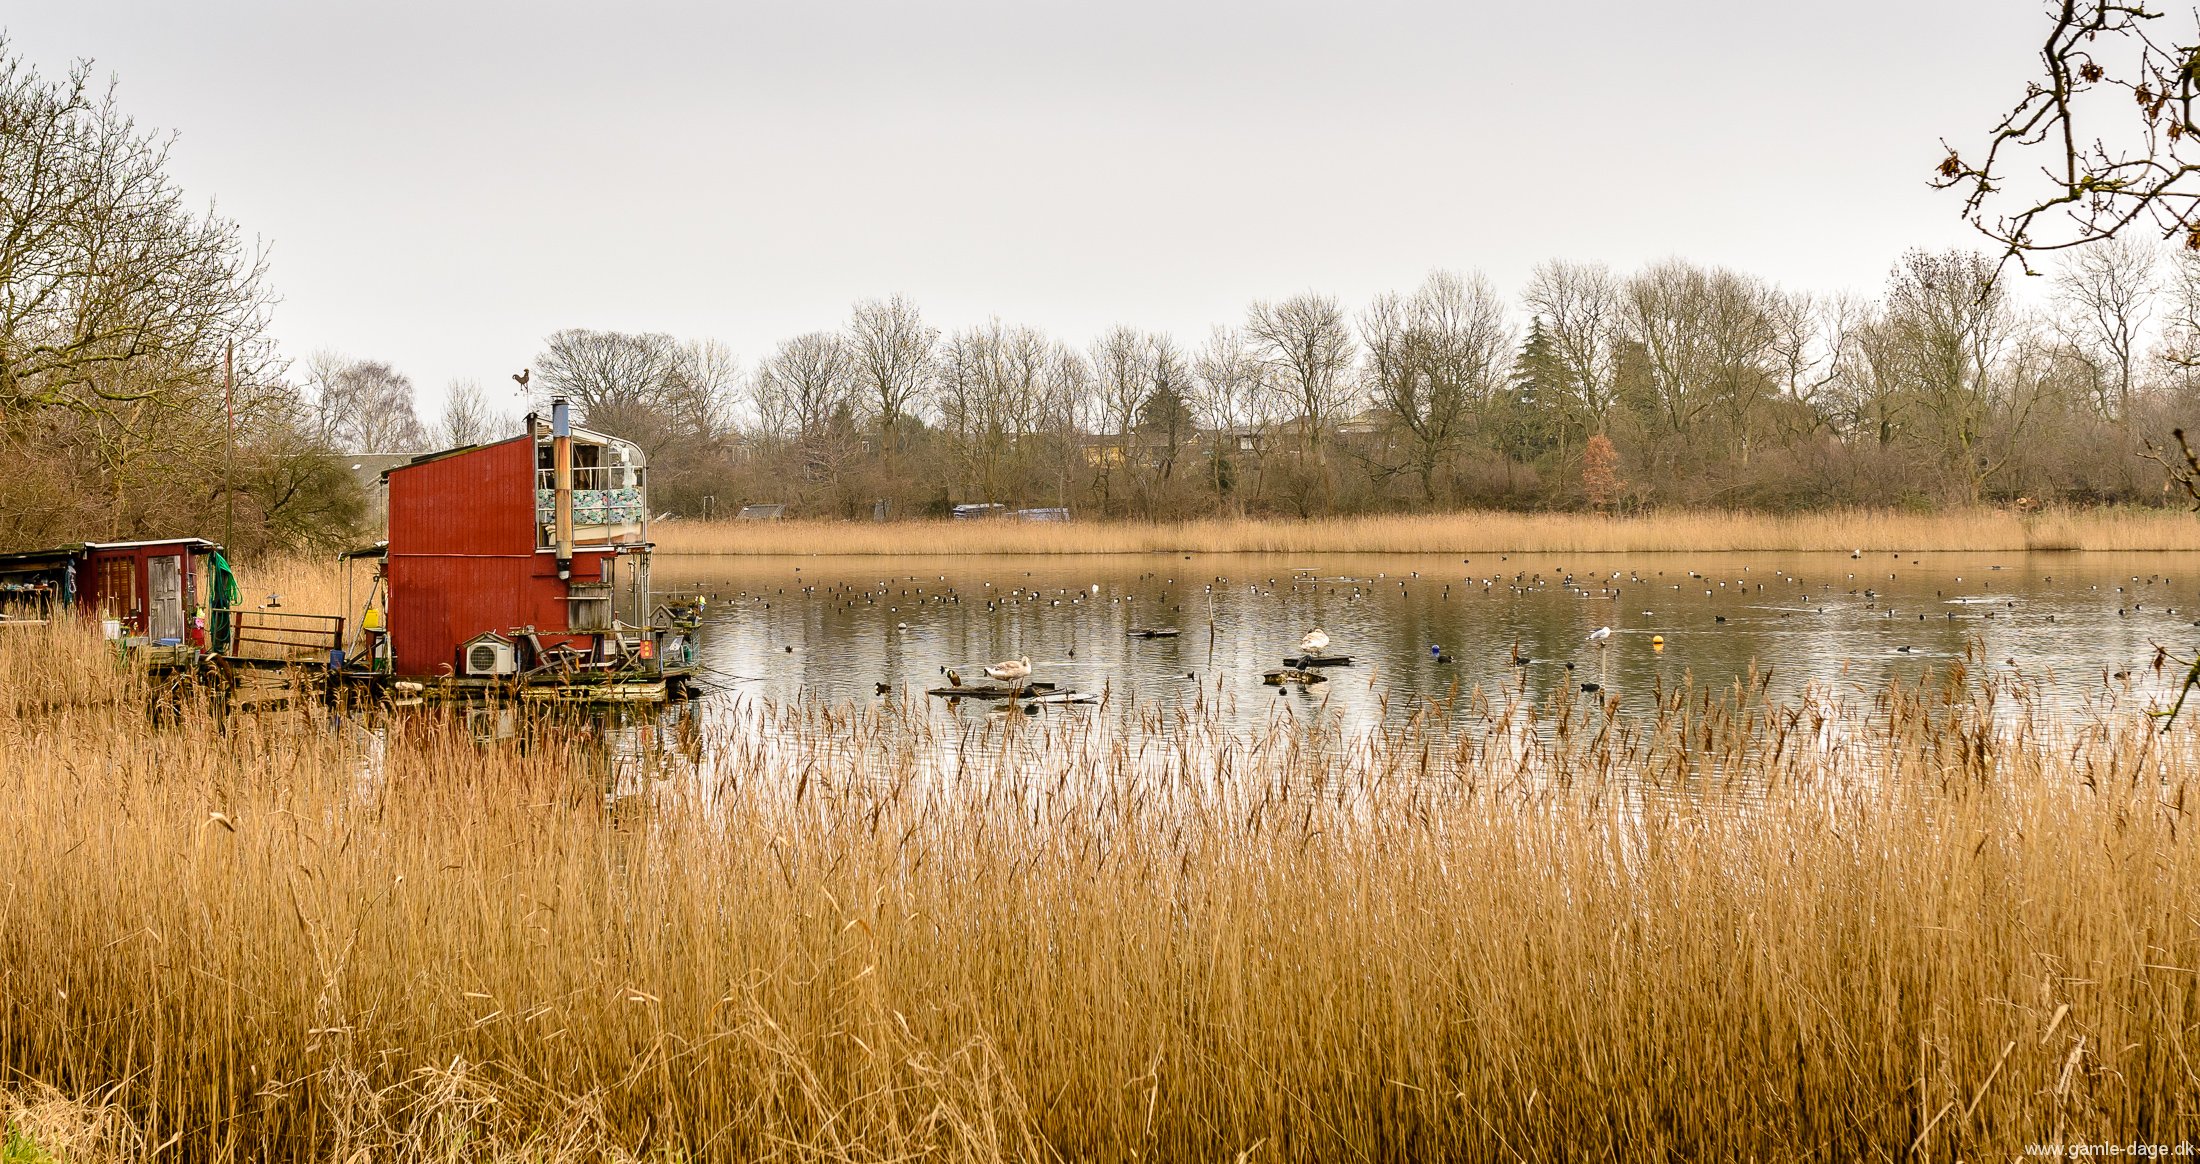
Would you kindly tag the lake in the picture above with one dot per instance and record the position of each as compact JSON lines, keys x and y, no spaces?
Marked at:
{"x":2079,"y":629}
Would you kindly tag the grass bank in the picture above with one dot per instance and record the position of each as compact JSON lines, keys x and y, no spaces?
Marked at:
{"x":1728,"y":928}
{"x":1986,"y":530}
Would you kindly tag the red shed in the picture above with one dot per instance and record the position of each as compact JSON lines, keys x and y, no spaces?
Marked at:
{"x":488,"y":540}
{"x":156,"y":590}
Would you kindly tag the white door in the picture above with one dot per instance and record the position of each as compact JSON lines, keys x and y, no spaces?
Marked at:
{"x":164,"y":582}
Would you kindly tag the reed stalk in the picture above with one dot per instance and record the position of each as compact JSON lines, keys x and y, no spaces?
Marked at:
{"x":1844,"y":531}
{"x":1936,"y":917}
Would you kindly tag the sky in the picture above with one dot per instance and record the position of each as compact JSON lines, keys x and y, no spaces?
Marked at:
{"x":442,"y":184}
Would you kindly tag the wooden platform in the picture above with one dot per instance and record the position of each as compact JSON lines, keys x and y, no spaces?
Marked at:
{"x":1319,"y":661}
{"x":1155,"y":632}
{"x":993,"y":691}
{"x":1292,"y":675}
{"x":609,"y":689}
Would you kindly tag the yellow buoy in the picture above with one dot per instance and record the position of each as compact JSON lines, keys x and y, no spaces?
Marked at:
{"x":1657,"y":642}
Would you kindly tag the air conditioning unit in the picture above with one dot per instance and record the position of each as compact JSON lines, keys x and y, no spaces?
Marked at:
{"x":490,"y":654}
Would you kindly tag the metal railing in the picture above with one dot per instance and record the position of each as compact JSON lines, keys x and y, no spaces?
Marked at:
{"x":592,"y":477}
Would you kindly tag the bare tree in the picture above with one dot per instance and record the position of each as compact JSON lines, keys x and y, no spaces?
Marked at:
{"x":613,"y":377}
{"x":646,"y":387}
{"x":1583,"y":315}
{"x":1308,"y":348}
{"x":1436,"y":362}
{"x":2177,"y":343}
{"x":2102,"y":140}
{"x":115,"y":292}
{"x":1810,"y":335}
{"x":468,"y":418}
{"x":800,"y":388}
{"x":2106,"y":297}
{"x":998,"y":387}
{"x":1951,"y":325}
{"x":363,"y":406}
{"x":1122,"y":374}
{"x":892,"y":352}
{"x":804,"y":395}
{"x":1710,"y":344}
{"x":1232,"y":398}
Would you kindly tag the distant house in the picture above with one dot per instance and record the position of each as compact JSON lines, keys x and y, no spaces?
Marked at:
{"x":1366,"y":422}
{"x":367,"y":469}
{"x":761,"y":513}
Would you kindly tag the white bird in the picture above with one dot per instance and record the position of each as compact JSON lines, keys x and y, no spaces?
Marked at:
{"x":1600,"y":634}
{"x":1010,"y":670}
{"x":1314,"y":643}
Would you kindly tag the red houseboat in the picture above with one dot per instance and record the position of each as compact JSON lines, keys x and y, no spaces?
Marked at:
{"x":523,"y":565}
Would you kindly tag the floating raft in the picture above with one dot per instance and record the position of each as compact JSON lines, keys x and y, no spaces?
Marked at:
{"x":1155,"y":632}
{"x":994,"y":691}
{"x":1319,"y":661}
{"x":644,"y":691}
{"x":1292,"y":675}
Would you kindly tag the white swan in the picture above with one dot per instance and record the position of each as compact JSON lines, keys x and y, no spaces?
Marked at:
{"x":1314,"y":643}
{"x":1010,"y":670}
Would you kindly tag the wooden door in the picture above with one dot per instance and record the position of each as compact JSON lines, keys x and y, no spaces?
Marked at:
{"x":164,"y":593}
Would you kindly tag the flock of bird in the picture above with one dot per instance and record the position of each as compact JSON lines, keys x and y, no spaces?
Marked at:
{"x":909,"y":595}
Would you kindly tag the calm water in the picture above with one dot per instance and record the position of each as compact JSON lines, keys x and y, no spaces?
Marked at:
{"x":2081,"y":628}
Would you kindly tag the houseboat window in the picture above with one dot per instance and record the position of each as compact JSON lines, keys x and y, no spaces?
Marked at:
{"x":609,"y":505}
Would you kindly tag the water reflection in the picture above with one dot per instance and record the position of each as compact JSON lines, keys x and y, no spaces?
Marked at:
{"x":2080,"y":629}
{"x":819,"y":669}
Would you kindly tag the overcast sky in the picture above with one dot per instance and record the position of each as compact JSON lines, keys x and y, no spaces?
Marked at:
{"x":444,"y":183}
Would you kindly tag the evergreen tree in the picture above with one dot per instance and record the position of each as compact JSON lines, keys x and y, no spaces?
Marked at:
{"x":1530,"y":422}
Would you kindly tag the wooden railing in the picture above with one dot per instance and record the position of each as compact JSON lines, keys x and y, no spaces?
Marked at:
{"x":280,"y":636}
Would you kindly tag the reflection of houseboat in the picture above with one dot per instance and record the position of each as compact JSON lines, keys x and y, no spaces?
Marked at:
{"x":523,"y":566}
{"x":172,"y":596}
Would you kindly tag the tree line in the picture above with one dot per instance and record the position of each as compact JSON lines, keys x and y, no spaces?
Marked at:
{"x":1676,"y":384}
{"x":134,"y":339}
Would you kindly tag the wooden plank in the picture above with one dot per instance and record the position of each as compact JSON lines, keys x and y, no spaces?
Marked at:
{"x":992,"y":691}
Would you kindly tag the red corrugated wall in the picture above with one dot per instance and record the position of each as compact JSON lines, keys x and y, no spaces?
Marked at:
{"x":462,"y":555}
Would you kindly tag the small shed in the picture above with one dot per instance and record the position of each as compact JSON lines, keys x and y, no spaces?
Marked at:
{"x":160,"y":590}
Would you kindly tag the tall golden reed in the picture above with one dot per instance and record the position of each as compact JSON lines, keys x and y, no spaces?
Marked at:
{"x":1983,"y":530}
{"x":1929,"y":918}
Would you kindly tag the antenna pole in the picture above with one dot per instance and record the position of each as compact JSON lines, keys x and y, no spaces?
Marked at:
{"x":229,"y":455}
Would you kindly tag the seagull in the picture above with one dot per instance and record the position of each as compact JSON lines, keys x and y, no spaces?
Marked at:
{"x":1314,"y":642}
{"x":1010,"y":669}
{"x":1600,"y":634}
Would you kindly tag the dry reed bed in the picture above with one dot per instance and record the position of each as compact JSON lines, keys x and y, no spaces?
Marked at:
{"x":1982,"y":530}
{"x":1728,"y":928}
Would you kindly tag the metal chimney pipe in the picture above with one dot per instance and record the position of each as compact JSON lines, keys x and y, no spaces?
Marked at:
{"x":561,"y":463}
